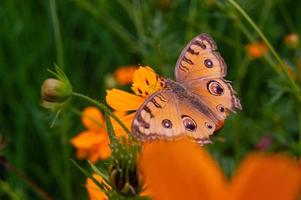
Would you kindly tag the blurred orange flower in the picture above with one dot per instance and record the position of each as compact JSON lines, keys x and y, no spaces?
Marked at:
{"x":256,"y":49}
{"x":94,"y":192}
{"x":93,"y":143}
{"x":291,"y":40}
{"x":145,"y":82}
{"x":181,"y":170}
{"x":124,"y":75}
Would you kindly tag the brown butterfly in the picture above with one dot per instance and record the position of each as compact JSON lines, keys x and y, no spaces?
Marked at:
{"x":196,"y":104}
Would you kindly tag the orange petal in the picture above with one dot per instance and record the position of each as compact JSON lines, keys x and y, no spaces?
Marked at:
{"x":92,"y":118}
{"x":123,"y":101}
{"x":104,"y":151}
{"x":180,"y":170}
{"x":119,"y":113}
{"x":124,"y":75}
{"x":146,"y":81}
{"x":127,"y":120}
{"x":87,"y":139}
{"x":82,"y":153}
{"x":95,"y":193}
{"x":100,"y":151}
{"x":256,"y":49}
{"x":262,"y":177}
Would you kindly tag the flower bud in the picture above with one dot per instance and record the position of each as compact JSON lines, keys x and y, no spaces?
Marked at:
{"x":55,"y":91}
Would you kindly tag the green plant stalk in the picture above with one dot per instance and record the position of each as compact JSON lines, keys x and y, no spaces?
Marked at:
{"x":102,"y":186}
{"x":273,"y":51}
{"x":9,"y":166}
{"x":299,"y":122}
{"x":57,"y":33}
{"x":110,"y":129}
{"x":112,"y":23}
{"x":6,"y":189}
{"x":64,"y":130}
{"x":103,"y":108}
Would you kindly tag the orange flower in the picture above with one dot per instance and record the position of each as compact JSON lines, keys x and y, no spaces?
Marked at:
{"x":124,"y":75}
{"x":291,"y":40}
{"x":181,"y":170}
{"x":94,"y":192}
{"x":93,"y":143}
{"x":257,"y":49}
{"x":145,"y":82}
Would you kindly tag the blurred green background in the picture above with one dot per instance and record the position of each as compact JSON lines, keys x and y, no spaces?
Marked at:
{"x":90,"y":39}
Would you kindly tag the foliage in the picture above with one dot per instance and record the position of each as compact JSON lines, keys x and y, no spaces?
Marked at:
{"x":90,"y":39}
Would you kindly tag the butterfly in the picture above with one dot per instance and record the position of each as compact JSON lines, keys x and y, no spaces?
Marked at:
{"x":195,"y":104}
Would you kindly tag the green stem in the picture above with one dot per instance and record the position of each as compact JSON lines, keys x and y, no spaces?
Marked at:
{"x":110,"y":128}
{"x":34,"y":186}
{"x":103,"y":108}
{"x":263,"y":37}
{"x":299,"y":122}
{"x":64,"y":130}
{"x":57,"y":34}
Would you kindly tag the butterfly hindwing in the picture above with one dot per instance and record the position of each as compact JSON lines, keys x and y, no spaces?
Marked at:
{"x":164,"y":116}
{"x":201,"y":69}
{"x":218,"y":95}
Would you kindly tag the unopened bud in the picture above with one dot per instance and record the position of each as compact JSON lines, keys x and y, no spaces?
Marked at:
{"x":55,"y":91}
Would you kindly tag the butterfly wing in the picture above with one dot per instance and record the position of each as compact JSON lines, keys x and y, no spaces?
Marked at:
{"x":164,"y":116}
{"x":158,"y":117}
{"x":169,"y":114}
{"x":200,"y":68}
{"x":218,"y":95}
{"x":200,"y":59}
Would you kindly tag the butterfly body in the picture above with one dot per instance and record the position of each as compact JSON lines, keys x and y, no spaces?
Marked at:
{"x":183,"y":94}
{"x":195,"y":104}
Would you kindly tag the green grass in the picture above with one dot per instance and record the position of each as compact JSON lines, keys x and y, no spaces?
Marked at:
{"x":92,"y":38}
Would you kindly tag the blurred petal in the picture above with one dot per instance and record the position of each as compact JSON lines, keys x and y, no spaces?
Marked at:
{"x":92,"y":118}
{"x":146,"y":81}
{"x":123,"y":101}
{"x":180,"y":170}
{"x":86,"y":139}
{"x":95,"y":193}
{"x":262,"y":177}
{"x":82,"y":153}
{"x":256,"y":49}
{"x":292,"y":40}
{"x":104,"y":151}
{"x":124,"y":75}
{"x":127,"y":120}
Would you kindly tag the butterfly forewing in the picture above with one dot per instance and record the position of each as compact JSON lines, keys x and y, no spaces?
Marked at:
{"x":158,"y":117}
{"x":200,"y":59}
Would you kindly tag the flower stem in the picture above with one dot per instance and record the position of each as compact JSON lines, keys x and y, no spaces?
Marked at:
{"x":103,"y":108}
{"x":57,"y":33}
{"x":299,"y":122}
{"x":273,"y":51}
{"x":9,"y":166}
